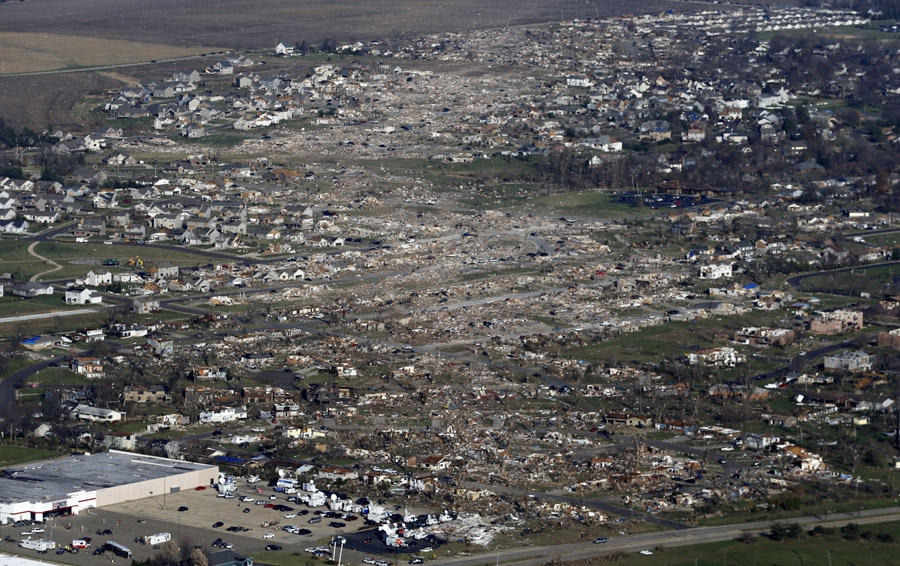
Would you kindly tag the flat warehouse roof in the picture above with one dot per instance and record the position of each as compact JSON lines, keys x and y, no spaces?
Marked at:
{"x":55,"y":479}
{"x":11,"y":560}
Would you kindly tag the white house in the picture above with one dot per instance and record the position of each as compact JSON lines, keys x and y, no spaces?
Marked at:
{"x":95,"y":414}
{"x":715,"y":271}
{"x":82,"y":296}
{"x":98,"y":278}
{"x":223,"y":415}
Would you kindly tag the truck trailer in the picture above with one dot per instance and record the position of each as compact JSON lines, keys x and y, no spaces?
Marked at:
{"x":158,"y":538}
{"x":39,"y":545}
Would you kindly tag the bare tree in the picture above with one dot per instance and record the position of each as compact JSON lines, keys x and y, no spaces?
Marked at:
{"x":168,"y":554}
{"x":197,"y":558}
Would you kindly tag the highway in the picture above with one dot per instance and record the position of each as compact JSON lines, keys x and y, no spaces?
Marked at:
{"x":540,"y":555}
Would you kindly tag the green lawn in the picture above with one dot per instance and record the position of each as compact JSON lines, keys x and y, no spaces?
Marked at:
{"x":15,"y":455}
{"x":652,"y":344}
{"x":891,"y":239}
{"x":14,"y":306}
{"x":811,"y":551}
{"x":589,"y":203}
{"x":873,"y":280}
{"x":78,"y":259}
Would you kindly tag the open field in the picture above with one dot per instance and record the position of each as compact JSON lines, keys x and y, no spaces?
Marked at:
{"x":78,"y":259}
{"x":41,"y":100}
{"x":214,"y":23}
{"x":37,"y":101}
{"x":28,"y":52}
{"x":14,"y":455}
{"x":872,"y":280}
{"x":829,"y":549}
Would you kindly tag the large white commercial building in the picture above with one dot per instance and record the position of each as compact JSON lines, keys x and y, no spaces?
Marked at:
{"x":67,"y":486}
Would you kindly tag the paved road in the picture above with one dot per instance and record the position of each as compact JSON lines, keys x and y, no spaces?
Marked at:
{"x":102,"y":67}
{"x":538,"y":556}
{"x":13,"y":381}
{"x":797,"y":280}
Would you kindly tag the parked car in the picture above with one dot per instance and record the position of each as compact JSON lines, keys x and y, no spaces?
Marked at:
{"x":273,"y":547}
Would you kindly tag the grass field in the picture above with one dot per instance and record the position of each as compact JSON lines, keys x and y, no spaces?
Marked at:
{"x":873,"y":280}
{"x":592,"y":204}
{"x":14,"y":455}
{"x":76,"y":258}
{"x":829,"y":550}
{"x":15,"y":306}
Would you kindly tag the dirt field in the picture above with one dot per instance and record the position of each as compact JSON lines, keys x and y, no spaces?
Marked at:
{"x":27,"y":52}
{"x":231,"y":23}
{"x":40,"y":100}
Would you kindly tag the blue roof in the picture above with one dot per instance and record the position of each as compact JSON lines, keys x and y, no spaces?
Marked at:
{"x":751,"y":286}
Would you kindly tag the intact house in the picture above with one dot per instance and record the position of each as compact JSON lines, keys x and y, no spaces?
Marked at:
{"x":98,"y":278}
{"x":45,"y":342}
{"x":223,"y":415}
{"x":42,"y":216}
{"x":82,"y":296}
{"x":95,"y":414}
{"x":90,"y":227}
{"x":128,"y":330}
{"x":715,"y":271}
{"x":31,"y":289}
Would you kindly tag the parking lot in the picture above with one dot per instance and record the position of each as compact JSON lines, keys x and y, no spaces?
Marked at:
{"x":194,"y":527}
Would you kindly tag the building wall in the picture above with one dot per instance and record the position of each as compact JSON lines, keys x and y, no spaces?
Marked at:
{"x":143,"y":489}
